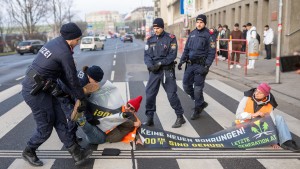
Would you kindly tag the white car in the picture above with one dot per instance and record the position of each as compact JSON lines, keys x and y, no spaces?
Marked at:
{"x":92,"y":43}
{"x":102,"y":37}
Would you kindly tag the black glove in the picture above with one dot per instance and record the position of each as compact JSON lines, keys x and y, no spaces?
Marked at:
{"x":205,"y":70}
{"x":127,"y":115}
{"x":82,"y":107}
{"x":155,"y":68}
{"x":180,"y":65}
{"x":94,"y":122}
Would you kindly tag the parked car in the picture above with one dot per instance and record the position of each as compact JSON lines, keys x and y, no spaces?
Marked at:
{"x":128,"y":38}
{"x":29,"y":46}
{"x":92,"y":43}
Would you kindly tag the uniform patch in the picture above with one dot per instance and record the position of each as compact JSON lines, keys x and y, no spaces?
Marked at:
{"x":80,"y":74}
{"x":146,"y":47}
{"x":173,"y":46}
{"x":213,"y":44}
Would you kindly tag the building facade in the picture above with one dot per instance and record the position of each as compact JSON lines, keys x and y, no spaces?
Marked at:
{"x":229,"y":12}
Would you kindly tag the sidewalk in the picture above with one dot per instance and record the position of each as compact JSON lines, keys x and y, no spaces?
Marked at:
{"x":265,"y":71}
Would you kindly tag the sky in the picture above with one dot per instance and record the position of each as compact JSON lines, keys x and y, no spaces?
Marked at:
{"x":123,"y":6}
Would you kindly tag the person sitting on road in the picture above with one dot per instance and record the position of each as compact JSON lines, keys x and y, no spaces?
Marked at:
{"x":95,"y":135}
{"x":258,"y":102}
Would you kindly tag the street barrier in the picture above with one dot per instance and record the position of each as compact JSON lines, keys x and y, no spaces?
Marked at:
{"x":229,"y":50}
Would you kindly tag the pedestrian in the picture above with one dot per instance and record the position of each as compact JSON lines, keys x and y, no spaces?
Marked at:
{"x":259,"y":102}
{"x":89,"y":78}
{"x":251,"y":34}
{"x":159,"y":56}
{"x":225,"y":34}
{"x":95,"y":135}
{"x":268,"y":41}
{"x":54,"y":61}
{"x":236,"y":46}
{"x":244,"y":37}
{"x":199,"y":53}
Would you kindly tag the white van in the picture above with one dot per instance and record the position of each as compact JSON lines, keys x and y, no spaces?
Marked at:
{"x":92,"y":43}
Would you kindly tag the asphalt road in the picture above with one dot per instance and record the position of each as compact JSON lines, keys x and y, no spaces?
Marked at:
{"x":123,"y":65}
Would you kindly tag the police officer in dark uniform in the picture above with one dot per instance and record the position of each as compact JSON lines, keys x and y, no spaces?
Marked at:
{"x":159,"y":56}
{"x":54,"y":61}
{"x":199,"y":53}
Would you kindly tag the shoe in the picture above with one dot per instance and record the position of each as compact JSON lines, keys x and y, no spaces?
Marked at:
{"x":231,"y":66}
{"x":198,"y":111}
{"x":90,"y":88}
{"x":79,"y":155}
{"x":30,"y":156}
{"x":78,"y":139}
{"x":238,"y":66}
{"x":290,"y":145}
{"x":179,"y":122}
{"x":149,"y":122}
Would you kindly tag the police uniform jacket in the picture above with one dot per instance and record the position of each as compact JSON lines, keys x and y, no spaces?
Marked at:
{"x":161,"y":48}
{"x":55,"y":61}
{"x":200,"y":44}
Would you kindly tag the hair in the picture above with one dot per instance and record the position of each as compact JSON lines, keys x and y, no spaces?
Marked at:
{"x":236,"y":25}
{"x":220,"y":26}
{"x":249,"y":24}
{"x":225,"y":26}
{"x":85,"y":68}
{"x":267,"y":26}
{"x":244,"y":26}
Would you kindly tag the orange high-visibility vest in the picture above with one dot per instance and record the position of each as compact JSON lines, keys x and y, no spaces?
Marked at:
{"x":131,"y":135}
{"x":249,"y":108}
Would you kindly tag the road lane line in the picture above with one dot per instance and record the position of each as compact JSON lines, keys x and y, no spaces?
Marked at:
{"x":190,"y":163}
{"x":112,"y":76}
{"x":114,"y":63}
{"x":280,"y":163}
{"x":19,"y":78}
{"x":115,"y":55}
{"x":113,"y":163}
{"x":10,"y":92}
{"x":292,"y":122}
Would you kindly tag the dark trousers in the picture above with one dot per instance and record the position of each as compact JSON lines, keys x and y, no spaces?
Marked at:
{"x":47,"y":114}
{"x":268,"y":51}
{"x":170,"y":86}
{"x":193,"y":83}
{"x":224,"y":53}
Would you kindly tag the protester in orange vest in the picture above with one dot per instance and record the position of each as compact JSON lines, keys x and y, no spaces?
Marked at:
{"x":124,"y":132}
{"x":258,"y":102}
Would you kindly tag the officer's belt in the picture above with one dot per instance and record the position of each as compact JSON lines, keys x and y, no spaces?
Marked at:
{"x":200,"y":61}
{"x":168,"y":67}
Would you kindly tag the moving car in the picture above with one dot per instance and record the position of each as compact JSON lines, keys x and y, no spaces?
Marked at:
{"x":102,"y":37}
{"x":92,"y":43}
{"x":29,"y":46}
{"x":127,"y":38}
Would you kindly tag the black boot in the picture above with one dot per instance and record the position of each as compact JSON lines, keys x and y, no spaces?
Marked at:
{"x":30,"y":156}
{"x":78,"y":154}
{"x":198,"y":111}
{"x":290,"y":145}
{"x":179,"y":121}
{"x":149,"y":122}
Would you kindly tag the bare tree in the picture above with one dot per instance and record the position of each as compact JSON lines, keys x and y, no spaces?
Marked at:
{"x":27,"y":13}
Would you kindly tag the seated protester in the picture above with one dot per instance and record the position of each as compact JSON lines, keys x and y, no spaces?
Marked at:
{"x":88,"y":78}
{"x":95,"y":135}
{"x":258,"y":102}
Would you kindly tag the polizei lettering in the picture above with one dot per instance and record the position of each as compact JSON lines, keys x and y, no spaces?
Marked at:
{"x":45,"y":52}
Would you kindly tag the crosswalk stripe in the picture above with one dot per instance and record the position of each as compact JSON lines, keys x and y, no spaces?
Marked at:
{"x":280,"y":163}
{"x":20,"y":163}
{"x":10,"y":92}
{"x":291,"y":121}
{"x":113,"y":164}
{"x":190,"y":163}
{"x":13,"y":117}
{"x":216,"y":110}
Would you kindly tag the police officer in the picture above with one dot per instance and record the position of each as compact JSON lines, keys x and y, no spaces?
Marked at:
{"x":199,"y":53}
{"x":159,"y":56}
{"x":54,"y":61}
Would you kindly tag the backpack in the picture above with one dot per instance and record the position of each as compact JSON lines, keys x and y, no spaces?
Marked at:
{"x":257,"y":36}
